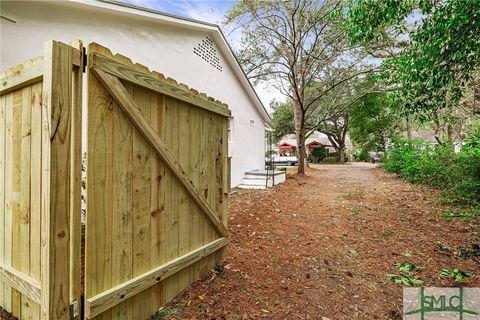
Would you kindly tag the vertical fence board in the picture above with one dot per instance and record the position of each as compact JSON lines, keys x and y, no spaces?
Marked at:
{"x":122,"y":222}
{"x":25,"y":191}
{"x":15,"y":200}
{"x":98,"y":254}
{"x":184,"y":199}
{"x":35,"y":189}
{"x":75,"y":204}
{"x":8,"y":194}
{"x":2,"y":190}
{"x":57,"y":86}
{"x":141,"y":202}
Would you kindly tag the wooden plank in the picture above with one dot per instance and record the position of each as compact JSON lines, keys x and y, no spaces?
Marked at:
{"x":25,"y":284}
{"x":2,"y":189}
{"x":107,"y":299}
{"x":148,"y":81}
{"x":225,"y":172}
{"x":75,"y":203}
{"x":171,"y":195}
{"x":211,"y":195}
{"x":22,"y":77}
{"x":141,"y":202}
{"x":141,"y":188}
{"x":56,"y":145}
{"x":15,"y":200}
{"x":197,"y":220}
{"x":25,"y":192}
{"x":184,"y":203}
{"x":100,"y":166}
{"x":100,"y":189}
{"x":122,"y":223}
{"x":7,"y":255}
{"x":155,"y":227}
{"x":225,"y":183}
{"x":128,"y":105}
{"x":35,"y":190}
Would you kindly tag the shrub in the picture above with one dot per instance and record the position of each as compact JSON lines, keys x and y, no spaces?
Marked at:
{"x":362,"y":155}
{"x":317,"y":155}
{"x":330,"y":160}
{"x":439,"y":166}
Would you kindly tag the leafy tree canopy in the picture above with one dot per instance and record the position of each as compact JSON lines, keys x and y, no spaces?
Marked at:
{"x":373,"y":121}
{"x":282,"y":120}
{"x":443,"y":46}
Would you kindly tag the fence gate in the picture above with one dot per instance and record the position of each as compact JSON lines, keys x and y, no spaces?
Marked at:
{"x":156,"y":187}
{"x":40,"y":180}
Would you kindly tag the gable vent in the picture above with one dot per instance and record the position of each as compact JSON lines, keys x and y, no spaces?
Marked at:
{"x":206,"y":50}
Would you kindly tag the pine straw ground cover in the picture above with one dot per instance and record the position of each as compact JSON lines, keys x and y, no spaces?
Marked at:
{"x":320,"y":246}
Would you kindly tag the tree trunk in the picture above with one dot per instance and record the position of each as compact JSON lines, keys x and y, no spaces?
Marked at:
{"x":409,"y":132}
{"x":341,"y":157}
{"x":300,"y":135}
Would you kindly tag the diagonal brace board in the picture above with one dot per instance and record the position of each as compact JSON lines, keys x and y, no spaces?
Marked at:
{"x":128,"y":105}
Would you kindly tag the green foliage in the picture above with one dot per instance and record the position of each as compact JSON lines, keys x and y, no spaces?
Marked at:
{"x":455,"y":273}
{"x":164,"y":313}
{"x":465,"y":214}
{"x":406,"y":267}
{"x":373,"y":120}
{"x":370,"y":20}
{"x":406,"y":276}
{"x":282,"y":120}
{"x":362,"y":155}
{"x":444,"y":53}
{"x":441,"y":53}
{"x":404,"y":279}
{"x":317,"y":155}
{"x":456,"y":173}
{"x":330,"y":160}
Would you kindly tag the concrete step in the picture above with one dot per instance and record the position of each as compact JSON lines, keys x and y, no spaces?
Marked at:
{"x":263,"y":177}
{"x":264,"y":173}
{"x":258,"y":179}
{"x":244,"y":186}
{"x":256,"y":182}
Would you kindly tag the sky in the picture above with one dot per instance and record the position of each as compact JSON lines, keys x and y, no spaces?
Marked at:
{"x":212,"y":11}
{"x":206,"y":10}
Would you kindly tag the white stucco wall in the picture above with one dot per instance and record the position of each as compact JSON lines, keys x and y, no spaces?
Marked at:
{"x":162,"y":47}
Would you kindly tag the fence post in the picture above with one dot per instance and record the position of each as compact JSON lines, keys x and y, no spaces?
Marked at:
{"x":56,"y":162}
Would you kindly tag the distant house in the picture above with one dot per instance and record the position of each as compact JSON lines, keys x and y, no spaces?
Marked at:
{"x":287,"y":148}
{"x":192,"y":52}
{"x":314,"y":145}
{"x":288,"y":143}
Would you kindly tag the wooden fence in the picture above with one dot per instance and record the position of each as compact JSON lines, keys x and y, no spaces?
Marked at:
{"x":157,"y":183}
{"x":40,"y":150}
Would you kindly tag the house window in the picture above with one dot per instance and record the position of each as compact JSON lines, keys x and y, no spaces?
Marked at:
{"x":230,"y":130}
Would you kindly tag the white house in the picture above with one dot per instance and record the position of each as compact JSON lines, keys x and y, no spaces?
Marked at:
{"x":165,"y":43}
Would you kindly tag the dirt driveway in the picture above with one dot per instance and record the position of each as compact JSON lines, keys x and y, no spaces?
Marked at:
{"x":319,"y":247}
